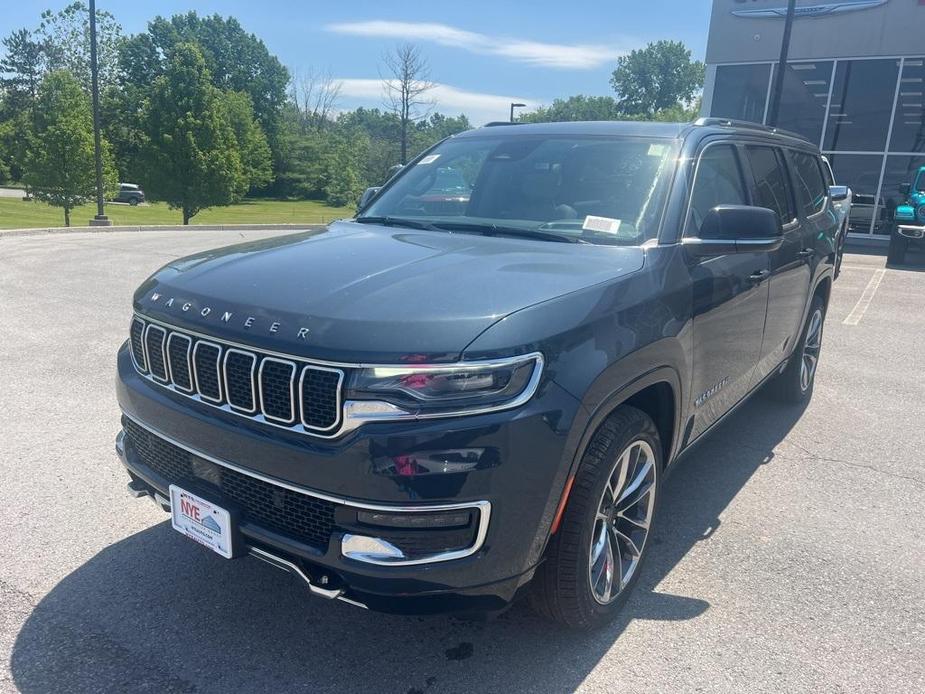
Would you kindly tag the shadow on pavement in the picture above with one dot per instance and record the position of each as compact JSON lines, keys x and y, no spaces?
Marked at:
{"x":155,"y":612}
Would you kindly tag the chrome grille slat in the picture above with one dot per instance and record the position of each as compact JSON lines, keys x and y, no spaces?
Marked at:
{"x":291,"y":394}
{"x":239,"y":367}
{"x":206,"y":370}
{"x":179,"y":361}
{"x":137,"y":343}
{"x":155,"y":357}
{"x":276,"y":384}
{"x":315,"y":393}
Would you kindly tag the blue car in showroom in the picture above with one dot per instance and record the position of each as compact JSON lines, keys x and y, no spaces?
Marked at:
{"x":451,"y":401}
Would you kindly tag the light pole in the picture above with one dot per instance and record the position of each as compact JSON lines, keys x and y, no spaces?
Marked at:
{"x":100,"y":220}
{"x":778,"y":87}
{"x":513,"y":106}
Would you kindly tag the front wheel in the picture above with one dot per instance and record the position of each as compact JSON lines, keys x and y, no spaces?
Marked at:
{"x":594,"y":559}
{"x":133,"y":202}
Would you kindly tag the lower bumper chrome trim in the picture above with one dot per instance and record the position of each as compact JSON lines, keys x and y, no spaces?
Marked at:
{"x":286,"y":565}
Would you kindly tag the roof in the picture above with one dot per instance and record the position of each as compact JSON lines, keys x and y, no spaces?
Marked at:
{"x":638,"y":129}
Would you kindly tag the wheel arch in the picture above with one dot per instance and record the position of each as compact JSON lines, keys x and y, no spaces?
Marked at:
{"x":658,"y":393}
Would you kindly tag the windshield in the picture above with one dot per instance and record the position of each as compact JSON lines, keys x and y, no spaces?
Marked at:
{"x":596,"y":190}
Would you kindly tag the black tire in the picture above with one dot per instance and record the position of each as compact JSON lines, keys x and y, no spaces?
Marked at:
{"x":133,"y":202}
{"x":790,"y":385}
{"x":561,"y":589}
{"x":898,"y":247}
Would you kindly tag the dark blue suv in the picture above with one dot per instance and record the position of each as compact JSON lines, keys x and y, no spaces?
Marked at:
{"x":460,"y":397}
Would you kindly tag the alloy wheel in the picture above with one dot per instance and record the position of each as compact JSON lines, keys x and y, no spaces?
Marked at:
{"x":811,"y":350}
{"x":622,"y":521}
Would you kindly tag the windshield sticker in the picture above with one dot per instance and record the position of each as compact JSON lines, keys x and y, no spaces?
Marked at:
{"x":606,"y":225}
{"x":657,"y":150}
{"x":429,"y":159}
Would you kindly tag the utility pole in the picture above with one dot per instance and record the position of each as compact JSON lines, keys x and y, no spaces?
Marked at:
{"x":778,"y":86}
{"x":100,"y":220}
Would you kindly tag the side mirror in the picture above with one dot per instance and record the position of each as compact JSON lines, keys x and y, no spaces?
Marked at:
{"x":736,"y":229}
{"x":368,"y":196}
{"x":904,"y":188}
{"x":838,"y":193}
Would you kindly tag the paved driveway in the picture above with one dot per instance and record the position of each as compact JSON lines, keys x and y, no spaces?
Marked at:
{"x":789,"y":557}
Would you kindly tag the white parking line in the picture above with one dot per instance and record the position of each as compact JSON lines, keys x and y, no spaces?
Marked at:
{"x":857,"y":313}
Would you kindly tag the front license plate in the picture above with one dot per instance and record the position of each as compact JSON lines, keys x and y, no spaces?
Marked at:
{"x":201,"y":520}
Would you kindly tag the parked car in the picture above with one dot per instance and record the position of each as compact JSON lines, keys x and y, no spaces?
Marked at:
{"x":415,"y":412}
{"x":130,"y":193}
{"x":909,"y":219}
{"x":842,"y":211}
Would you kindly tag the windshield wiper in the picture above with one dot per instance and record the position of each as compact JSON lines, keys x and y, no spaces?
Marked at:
{"x":397,"y":222}
{"x":489,"y":229}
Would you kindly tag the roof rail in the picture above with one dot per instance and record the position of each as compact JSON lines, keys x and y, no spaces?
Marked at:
{"x":496,"y":123}
{"x":731,"y":122}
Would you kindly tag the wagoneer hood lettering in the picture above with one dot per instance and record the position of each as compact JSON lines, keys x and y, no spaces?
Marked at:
{"x":402,"y":290}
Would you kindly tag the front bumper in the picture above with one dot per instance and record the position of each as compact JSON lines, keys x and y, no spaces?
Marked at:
{"x":911,"y":231}
{"x":514,"y":477}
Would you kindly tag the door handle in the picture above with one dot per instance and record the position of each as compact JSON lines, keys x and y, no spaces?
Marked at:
{"x":807,"y":253}
{"x":758,"y":276}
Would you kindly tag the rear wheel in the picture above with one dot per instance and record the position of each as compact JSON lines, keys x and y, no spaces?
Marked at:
{"x":594,"y":559}
{"x":898,"y":246}
{"x":795,"y":383}
{"x":840,"y":251}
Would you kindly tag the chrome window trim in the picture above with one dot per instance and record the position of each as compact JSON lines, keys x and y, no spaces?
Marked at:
{"x":338,"y":395}
{"x":218,"y":375}
{"x":189,"y":362}
{"x":253,"y":358}
{"x":483,"y":506}
{"x":263,"y":409}
{"x":131,"y":344}
{"x":157,"y":378}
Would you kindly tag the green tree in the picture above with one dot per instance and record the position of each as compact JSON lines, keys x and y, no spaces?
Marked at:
{"x":235,"y":60}
{"x":65,"y":37}
{"x":192,"y":155}
{"x":252,"y":143}
{"x":576,"y":108}
{"x":59,"y":165}
{"x":657,"y":77}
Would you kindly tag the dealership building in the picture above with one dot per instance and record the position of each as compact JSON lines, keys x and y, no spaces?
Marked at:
{"x":854,"y":84}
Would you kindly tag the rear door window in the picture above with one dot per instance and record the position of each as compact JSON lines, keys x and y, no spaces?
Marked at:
{"x":771,"y":186}
{"x":809,"y":183}
{"x":719,"y":182}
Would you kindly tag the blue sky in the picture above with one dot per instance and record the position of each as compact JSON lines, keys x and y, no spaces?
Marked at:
{"x":482,"y":54}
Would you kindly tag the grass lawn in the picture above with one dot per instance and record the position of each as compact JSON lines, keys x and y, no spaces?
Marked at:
{"x":18,"y":214}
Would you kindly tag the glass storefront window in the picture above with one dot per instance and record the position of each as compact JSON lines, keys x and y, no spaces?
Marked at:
{"x":861,"y":172}
{"x":740,"y":91}
{"x":909,"y":124}
{"x":803,"y":98}
{"x":862,"y":101}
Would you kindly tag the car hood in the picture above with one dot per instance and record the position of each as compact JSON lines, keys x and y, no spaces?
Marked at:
{"x":359,"y":292}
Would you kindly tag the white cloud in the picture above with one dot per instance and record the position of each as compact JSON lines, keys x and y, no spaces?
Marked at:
{"x":552,"y":55}
{"x":478,"y":106}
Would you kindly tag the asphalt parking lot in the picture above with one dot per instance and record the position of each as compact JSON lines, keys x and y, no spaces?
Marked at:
{"x":790,"y":555}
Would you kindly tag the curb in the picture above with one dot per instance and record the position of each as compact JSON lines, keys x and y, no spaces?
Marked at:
{"x":13,"y":233}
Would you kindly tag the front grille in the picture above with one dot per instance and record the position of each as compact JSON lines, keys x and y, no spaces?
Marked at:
{"x":300,"y":517}
{"x":294,"y":394}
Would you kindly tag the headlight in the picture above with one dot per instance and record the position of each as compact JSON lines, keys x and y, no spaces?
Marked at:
{"x":431,"y":390}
